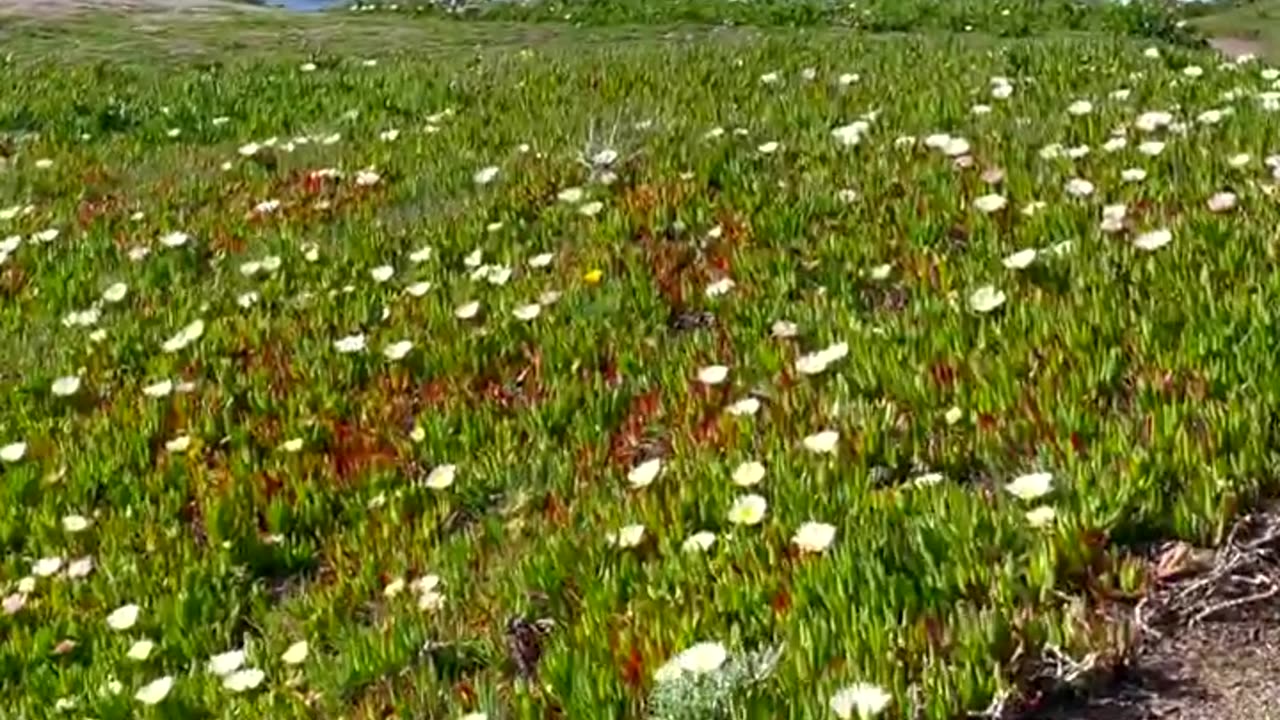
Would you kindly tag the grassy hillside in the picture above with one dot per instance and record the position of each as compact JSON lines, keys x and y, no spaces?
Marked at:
{"x":542,"y":371}
{"x":1258,"y":21}
{"x":1012,"y":18}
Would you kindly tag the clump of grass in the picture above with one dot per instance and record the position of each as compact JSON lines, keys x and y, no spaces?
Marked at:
{"x":715,"y":694}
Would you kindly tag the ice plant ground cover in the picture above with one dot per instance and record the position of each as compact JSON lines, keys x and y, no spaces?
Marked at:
{"x":522,"y":380}
{"x":1155,"y":19}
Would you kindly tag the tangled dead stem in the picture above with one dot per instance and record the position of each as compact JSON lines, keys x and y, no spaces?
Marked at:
{"x":1206,"y":641}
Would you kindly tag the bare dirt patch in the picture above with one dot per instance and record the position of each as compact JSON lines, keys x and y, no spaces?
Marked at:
{"x":1215,"y":671}
{"x":1234,"y":47}
{"x":58,"y":8}
{"x":1208,"y":637}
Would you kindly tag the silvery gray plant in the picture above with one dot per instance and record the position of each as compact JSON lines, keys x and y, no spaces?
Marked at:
{"x":714,"y":695}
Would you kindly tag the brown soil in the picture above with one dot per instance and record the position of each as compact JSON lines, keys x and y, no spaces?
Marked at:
{"x":1234,"y":47}
{"x":1215,"y":671}
{"x":1208,"y":636}
{"x":53,"y":8}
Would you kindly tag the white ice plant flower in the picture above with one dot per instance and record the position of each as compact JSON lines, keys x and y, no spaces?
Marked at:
{"x":748,"y":510}
{"x":13,"y":452}
{"x":817,"y":362}
{"x":296,"y":653}
{"x":748,"y":473}
{"x":175,"y":239}
{"x":429,"y":598}
{"x":155,"y":691}
{"x":955,"y":147}
{"x":850,"y":134}
{"x":814,"y":537}
{"x":1031,"y":486}
{"x":1041,"y":516}
{"x":466,"y":311}
{"x":1222,"y":202}
{"x":527,"y":312}
{"x":784,"y":329}
{"x":645,"y":473}
{"x":1153,"y":120}
{"x":986,"y":299}
{"x":744,"y":408}
{"x":75,"y":523}
{"x":140,"y":650}
{"x":990,"y":203}
{"x":861,"y":701}
{"x":1133,"y":175}
{"x":699,"y":659}
{"x":1210,"y":117}
{"x":82,"y":318}
{"x":115,"y":292}
{"x":397,"y":350}
{"x":571,"y":196}
{"x":720,"y":287}
{"x":1079,"y":187}
{"x":927,"y":479}
{"x":1020,"y":260}
{"x":700,"y":541}
{"x":184,"y":337}
{"x":66,"y":386}
{"x":243,"y":680}
{"x":225,"y":663}
{"x":1113,"y":217}
{"x":1153,"y":240}
{"x":628,"y":536}
{"x":158,"y":389}
{"x":713,"y":374}
{"x":350,"y":344}
{"x":1151,"y":148}
{"x":1079,"y":108}
{"x":393,"y":588}
{"x":823,"y":442}
{"x":123,"y":617}
{"x":441,"y":476}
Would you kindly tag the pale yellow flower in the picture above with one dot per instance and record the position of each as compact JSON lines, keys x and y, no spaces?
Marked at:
{"x":748,"y":510}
